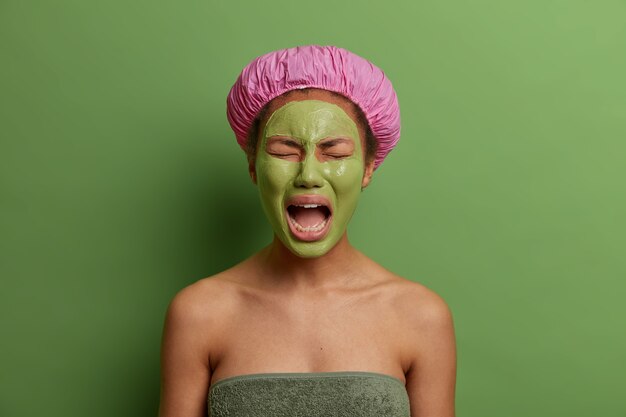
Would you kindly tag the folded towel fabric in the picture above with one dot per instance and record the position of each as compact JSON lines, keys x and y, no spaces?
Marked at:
{"x":313,"y":394}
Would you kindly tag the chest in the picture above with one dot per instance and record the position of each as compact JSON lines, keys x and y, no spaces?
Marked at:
{"x":312,"y":336}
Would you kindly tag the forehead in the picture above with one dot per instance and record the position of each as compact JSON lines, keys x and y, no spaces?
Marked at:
{"x":311,"y":120}
{"x":314,"y":94}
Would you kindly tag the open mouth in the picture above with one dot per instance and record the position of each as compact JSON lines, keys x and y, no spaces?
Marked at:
{"x":309,"y":220}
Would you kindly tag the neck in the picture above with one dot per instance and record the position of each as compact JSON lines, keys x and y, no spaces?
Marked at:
{"x":332,"y":269}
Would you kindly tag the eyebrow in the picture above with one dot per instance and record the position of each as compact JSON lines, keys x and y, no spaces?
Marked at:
{"x":284,"y":141}
{"x":332,"y":142}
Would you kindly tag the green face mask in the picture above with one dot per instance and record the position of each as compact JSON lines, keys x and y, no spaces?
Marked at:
{"x":309,"y":170}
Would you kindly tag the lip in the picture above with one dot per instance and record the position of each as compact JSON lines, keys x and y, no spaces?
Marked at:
{"x":302,"y":199}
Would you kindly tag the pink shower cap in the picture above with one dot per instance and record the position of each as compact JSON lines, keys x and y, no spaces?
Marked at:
{"x":313,"y":66}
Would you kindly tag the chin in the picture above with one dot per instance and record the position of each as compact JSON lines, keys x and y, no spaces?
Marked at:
{"x":309,"y":249}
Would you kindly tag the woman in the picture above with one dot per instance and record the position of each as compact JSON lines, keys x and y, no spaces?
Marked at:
{"x":309,"y":325}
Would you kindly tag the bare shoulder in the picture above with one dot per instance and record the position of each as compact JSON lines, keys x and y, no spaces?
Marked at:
{"x":414,"y":303}
{"x":197,"y":318}
{"x":424,"y":320}
{"x":194,"y":320}
{"x":419,"y":312}
{"x":428,"y":349}
{"x":204,"y":300}
{"x":422,"y":305}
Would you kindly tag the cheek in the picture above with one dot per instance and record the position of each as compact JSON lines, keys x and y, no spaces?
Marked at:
{"x":274,"y":175}
{"x":346,"y":175}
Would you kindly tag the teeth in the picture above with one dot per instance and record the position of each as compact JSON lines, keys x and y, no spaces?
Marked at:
{"x":308,"y":205}
{"x":315,"y":228}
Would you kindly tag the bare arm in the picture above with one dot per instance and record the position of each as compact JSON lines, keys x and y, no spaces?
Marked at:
{"x":185,"y":370}
{"x":431,"y":378}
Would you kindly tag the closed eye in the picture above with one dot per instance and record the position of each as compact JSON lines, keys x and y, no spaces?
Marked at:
{"x":284,"y":147}
{"x":337,"y":148}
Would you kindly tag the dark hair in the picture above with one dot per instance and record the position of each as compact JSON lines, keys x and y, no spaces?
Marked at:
{"x":371,"y":144}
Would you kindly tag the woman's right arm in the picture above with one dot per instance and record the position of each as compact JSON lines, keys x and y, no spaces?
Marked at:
{"x":185,"y":368}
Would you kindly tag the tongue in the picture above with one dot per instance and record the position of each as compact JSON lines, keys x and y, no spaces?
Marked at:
{"x":307,"y":217}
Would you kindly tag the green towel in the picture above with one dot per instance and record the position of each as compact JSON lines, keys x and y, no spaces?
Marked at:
{"x":315,"y":394}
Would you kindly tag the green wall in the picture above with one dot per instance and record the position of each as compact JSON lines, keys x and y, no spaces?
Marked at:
{"x":121,"y":182}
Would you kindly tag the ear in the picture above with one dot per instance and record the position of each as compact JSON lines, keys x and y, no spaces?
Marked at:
{"x":252,"y":169}
{"x":367,"y":175}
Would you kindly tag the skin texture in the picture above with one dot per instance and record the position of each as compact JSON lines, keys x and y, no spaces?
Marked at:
{"x":310,"y":147}
{"x":280,"y":312}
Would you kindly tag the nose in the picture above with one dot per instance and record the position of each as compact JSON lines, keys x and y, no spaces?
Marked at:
{"x":310,"y":175}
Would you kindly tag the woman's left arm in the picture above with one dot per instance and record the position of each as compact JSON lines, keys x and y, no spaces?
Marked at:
{"x":431,"y":377}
